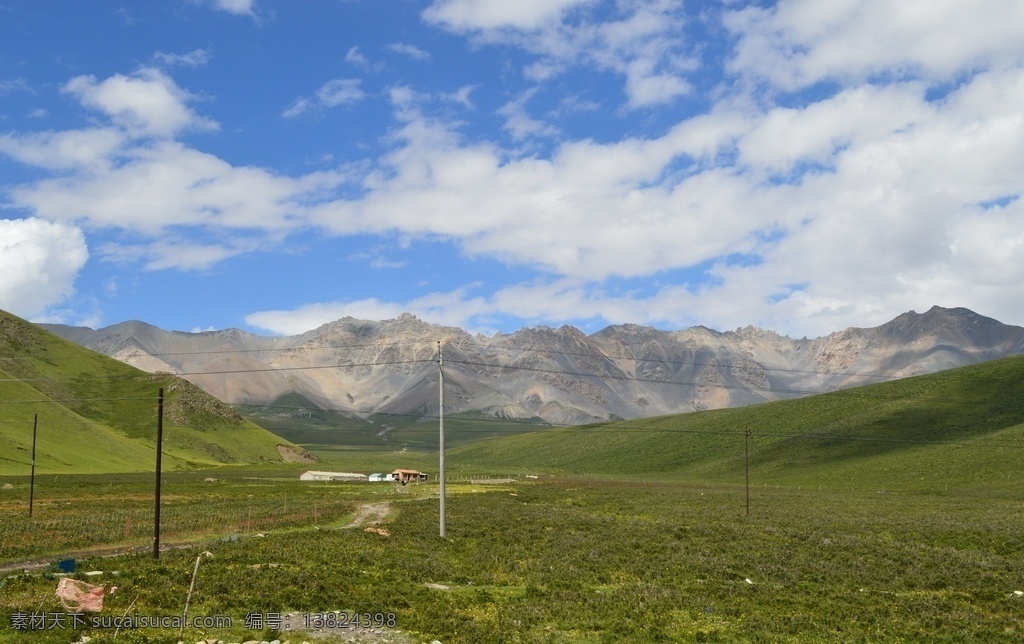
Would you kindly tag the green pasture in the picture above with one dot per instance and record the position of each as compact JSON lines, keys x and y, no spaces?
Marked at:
{"x":576,"y":560}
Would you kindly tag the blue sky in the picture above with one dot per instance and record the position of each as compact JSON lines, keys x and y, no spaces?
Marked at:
{"x":801,"y":166}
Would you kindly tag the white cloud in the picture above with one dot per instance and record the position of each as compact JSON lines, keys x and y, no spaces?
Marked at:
{"x":519,"y":124}
{"x":89,"y":149}
{"x":311,"y":316}
{"x":147,"y":103}
{"x":101,"y":178}
{"x":848,"y":210}
{"x":450,"y":308}
{"x":194,"y":58}
{"x":340,"y":91}
{"x":237,"y":7}
{"x":149,"y":189}
{"x":412,"y":51}
{"x":799,"y":42}
{"x":377,"y":258}
{"x":16,"y":85}
{"x":299,"y":107}
{"x":532,"y":211}
{"x":644,"y":43}
{"x":356,"y":57}
{"x":845,"y":207}
{"x":817,"y":133}
{"x":473,"y":15}
{"x":39,"y":261}
{"x":461,"y":96}
{"x":174,"y":253}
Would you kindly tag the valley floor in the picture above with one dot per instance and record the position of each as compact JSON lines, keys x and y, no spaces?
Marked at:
{"x":550,"y":560}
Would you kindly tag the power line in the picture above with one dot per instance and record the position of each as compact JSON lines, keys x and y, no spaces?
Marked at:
{"x":231,"y":371}
{"x":493,"y":347}
{"x":634,"y":358}
{"x":598,"y":428}
{"x":625,"y":377}
{"x":67,"y":401}
{"x":353,"y":365}
{"x":307,"y":368}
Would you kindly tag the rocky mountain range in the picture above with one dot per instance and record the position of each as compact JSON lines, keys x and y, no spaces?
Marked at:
{"x":558,"y":376}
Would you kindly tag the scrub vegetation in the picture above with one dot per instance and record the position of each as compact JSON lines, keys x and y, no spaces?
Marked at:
{"x":586,"y":560}
{"x":883,"y":513}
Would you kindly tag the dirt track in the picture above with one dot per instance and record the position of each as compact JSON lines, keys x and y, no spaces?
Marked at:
{"x":370,"y":514}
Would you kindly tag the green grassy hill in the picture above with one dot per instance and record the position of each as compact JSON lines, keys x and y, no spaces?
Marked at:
{"x":301,"y":421}
{"x":961,"y":428}
{"x":96,"y":414}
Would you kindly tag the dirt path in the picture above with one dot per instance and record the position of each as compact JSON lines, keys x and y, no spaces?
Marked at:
{"x":370,"y":514}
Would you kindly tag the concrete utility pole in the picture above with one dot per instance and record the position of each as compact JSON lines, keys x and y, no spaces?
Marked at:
{"x":440,"y":417}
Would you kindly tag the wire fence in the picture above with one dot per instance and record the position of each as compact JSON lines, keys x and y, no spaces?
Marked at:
{"x":60,"y":527}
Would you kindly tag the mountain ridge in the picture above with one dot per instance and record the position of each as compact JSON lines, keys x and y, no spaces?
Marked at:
{"x":554,"y":375}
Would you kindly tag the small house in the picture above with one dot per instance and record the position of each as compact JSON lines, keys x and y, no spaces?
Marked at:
{"x":378,"y":477}
{"x":404,"y":476}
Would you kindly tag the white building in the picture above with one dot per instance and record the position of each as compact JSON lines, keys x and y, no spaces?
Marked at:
{"x":331,"y":476}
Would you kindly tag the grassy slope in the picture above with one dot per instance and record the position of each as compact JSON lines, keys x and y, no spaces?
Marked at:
{"x":97,"y":414}
{"x":962,"y":427}
{"x":296,"y":419}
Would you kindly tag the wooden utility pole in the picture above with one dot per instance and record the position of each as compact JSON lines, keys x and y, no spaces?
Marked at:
{"x":440,"y":417}
{"x":32,"y":479}
{"x":746,"y":464}
{"x":159,"y":454}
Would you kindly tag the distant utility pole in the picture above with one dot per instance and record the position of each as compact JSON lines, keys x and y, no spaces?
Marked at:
{"x":746,"y":464}
{"x":32,"y":479}
{"x":440,"y":417}
{"x":159,"y":453}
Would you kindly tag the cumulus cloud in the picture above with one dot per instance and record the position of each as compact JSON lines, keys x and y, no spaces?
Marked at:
{"x":88,"y":149}
{"x":131,"y":177}
{"x":146,"y":103}
{"x":843,"y":210}
{"x":800,"y":42}
{"x":149,"y":189}
{"x":898,"y":186}
{"x":39,"y":261}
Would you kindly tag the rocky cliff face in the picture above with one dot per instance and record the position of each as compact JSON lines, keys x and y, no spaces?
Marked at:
{"x":561,"y":376}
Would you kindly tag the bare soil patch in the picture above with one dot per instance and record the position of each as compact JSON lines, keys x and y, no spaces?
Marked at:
{"x":370,"y":514}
